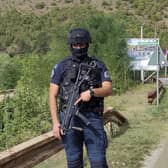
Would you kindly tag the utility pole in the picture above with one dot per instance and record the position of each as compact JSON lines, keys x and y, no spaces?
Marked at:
{"x":158,"y":68}
{"x":142,"y":30}
{"x":166,"y":65}
{"x":158,"y":65}
{"x":155,"y":34}
{"x":142,"y":71}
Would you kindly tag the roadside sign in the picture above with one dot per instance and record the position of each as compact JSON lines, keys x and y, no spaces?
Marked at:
{"x":144,"y":52}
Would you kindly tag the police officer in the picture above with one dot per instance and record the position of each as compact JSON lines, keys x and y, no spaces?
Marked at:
{"x":90,"y":102}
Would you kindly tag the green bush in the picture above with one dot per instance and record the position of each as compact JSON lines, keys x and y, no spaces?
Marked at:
{"x":27,"y":115}
{"x":28,"y":33}
{"x":24,"y":117}
{"x":10,"y":73}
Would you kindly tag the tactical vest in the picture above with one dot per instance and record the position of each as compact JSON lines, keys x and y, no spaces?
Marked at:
{"x":70,"y":72}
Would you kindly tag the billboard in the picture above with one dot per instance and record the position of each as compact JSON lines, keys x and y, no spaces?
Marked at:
{"x":144,"y":53}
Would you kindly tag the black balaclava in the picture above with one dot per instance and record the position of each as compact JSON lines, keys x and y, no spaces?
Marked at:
{"x":79,"y":53}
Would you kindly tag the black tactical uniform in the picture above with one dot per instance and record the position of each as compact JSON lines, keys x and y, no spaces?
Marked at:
{"x":64,"y":75}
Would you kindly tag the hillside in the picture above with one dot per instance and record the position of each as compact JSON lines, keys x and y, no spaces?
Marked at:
{"x":153,"y":13}
{"x":149,"y":11}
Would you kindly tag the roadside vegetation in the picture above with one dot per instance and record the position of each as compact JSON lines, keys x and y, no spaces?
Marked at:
{"x":152,"y":13}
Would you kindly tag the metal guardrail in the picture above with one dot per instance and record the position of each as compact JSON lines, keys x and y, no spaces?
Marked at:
{"x":38,"y":149}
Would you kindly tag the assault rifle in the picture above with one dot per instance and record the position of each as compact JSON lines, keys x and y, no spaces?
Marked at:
{"x":72,"y":110}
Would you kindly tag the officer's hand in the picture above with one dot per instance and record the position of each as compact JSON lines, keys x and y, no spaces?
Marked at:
{"x":57,"y":131}
{"x":84,"y":96}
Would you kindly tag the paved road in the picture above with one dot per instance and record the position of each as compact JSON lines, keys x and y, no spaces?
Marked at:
{"x":162,"y":161}
{"x":159,"y":157}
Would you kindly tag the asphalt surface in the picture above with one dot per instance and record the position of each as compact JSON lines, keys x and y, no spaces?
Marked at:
{"x":158,"y":157}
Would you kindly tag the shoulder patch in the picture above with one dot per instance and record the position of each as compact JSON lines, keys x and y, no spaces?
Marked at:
{"x":106,"y":74}
{"x":52,"y":73}
{"x":55,"y":66}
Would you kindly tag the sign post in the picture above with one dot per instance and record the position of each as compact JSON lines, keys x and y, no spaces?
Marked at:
{"x":158,"y":67}
{"x":166,"y":59}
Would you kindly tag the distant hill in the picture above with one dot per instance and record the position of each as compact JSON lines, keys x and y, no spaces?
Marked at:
{"x":154,"y":13}
{"x":151,"y":10}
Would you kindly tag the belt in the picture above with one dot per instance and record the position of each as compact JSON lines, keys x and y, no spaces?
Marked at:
{"x":97,"y":110}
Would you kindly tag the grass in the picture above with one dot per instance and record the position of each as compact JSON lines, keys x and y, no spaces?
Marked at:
{"x":148,"y":126}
